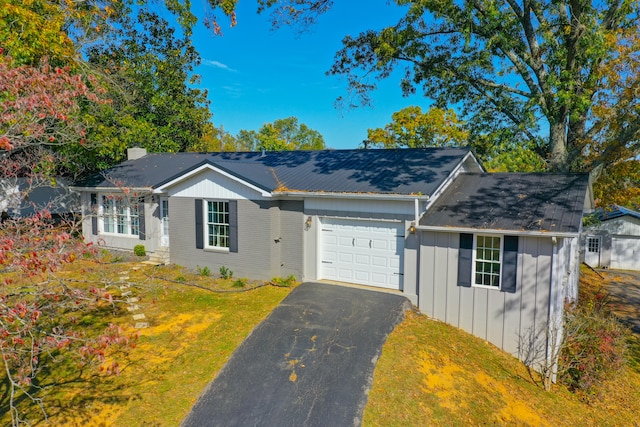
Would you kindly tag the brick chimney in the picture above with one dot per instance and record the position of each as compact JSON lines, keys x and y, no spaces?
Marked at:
{"x":135,"y":153}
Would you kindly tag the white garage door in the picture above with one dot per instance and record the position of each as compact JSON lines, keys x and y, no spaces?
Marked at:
{"x":625,"y":253}
{"x":363,"y":252}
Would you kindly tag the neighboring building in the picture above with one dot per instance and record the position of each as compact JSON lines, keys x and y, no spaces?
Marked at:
{"x":615,"y":241}
{"x":23,"y":197}
{"x":494,"y":254}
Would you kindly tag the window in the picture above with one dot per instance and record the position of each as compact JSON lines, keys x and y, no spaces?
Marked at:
{"x":487,"y":261}
{"x":217,"y":224}
{"x":120,"y":216}
{"x":593,"y":244}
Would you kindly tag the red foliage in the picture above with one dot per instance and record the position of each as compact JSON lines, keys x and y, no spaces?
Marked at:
{"x":39,"y":104}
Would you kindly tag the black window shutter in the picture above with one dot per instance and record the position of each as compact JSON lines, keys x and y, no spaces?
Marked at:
{"x":233,"y":226}
{"x":509,"y":264}
{"x":464,"y":260}
{"x":142,"y":232}
{"x":199,"y":225}
{"x":94,"y":214}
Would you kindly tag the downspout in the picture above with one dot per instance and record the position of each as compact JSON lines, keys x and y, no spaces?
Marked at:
{"x":555,"y":330}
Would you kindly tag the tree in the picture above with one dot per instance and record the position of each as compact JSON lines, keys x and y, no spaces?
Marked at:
{"x":546,"y":73}
{"x":518,"y":61}
{"x":148,"y":68}
{"x":214,"y":139}
{"x":412,"y":128}
{"x":282,"y":134}
{"x":40,"y":109}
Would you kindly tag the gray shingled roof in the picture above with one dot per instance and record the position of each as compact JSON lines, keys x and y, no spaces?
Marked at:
{"x":398,"y":171}
{"x":508,"y":201}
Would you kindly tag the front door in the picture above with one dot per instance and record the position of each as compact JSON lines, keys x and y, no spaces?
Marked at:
{"x":164,"y":221}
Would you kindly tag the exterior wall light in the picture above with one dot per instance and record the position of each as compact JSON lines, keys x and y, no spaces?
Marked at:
{"x":308,"y":222}
{"x":412,"y":228}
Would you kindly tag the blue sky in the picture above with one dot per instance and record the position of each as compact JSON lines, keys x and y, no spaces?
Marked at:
{"x":257,"y":75}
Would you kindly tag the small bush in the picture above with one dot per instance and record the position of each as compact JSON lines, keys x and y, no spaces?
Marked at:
{"x":286,"y":282}
{"x":181,"y":279}
{"x":139,"y":250}
{"x":240,"y":283}
{"x":204,"y":271}
{"x":225,"y":273}
{"x":595,"y":346}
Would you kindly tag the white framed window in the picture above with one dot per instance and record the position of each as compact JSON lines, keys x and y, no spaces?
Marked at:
{"x":120,"y":215}
{"x":593,"y":244}
{"x":217,"y":224}
{"x":487,"y":261}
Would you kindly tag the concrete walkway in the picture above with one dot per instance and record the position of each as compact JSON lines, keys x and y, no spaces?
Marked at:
{"x":310,"y":363}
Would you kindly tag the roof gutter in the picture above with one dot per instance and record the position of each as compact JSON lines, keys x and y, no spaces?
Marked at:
{"x":497,"y":231}
{"x":371,"y":196}
{"x":113,"y":189}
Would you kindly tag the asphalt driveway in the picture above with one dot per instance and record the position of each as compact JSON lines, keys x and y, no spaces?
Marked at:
{"x":624,"y":294}
{"x":310,"y":363}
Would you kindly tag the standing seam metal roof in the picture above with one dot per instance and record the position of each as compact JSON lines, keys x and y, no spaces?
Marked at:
{"x":385,"y":171}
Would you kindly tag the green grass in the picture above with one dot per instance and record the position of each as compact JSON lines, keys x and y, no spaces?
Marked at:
{"x":429,"y":373}
{"x":192,"y":333}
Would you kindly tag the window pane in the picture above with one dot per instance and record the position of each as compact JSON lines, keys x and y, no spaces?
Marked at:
{"x":487,"y":260}
{"x":218,"y":224}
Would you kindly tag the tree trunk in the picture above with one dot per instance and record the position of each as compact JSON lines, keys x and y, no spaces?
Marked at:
{"x":558,"y":161}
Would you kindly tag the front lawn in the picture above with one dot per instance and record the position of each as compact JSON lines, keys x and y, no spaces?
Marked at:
{"x":190,"y":335}
{"x":429,"y":373}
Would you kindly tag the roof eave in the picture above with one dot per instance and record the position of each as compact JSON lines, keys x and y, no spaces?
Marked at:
{"x":112,"y":189}
{"x":340,"y":195}
{"x":498,"y":231}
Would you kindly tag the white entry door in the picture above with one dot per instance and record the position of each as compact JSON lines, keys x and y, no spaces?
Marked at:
{"x":164,"y":221}
{"x":363,"y":252}
{"x":592,"y":251}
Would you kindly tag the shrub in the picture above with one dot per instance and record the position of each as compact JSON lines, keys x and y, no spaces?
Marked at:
{"x":204,"y":271}
{"x":595,"y":345}
{"x":225,"y":273}
{"x":286,"y":282}
{"x":240,"y":283}
{"x":139,"y":250}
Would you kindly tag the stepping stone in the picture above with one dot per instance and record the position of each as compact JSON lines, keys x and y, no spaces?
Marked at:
{"x":139,"y":316}
{"x":126,"y":286}
{"x":123,"y":278}
{"x":133,"y":308}
{"x":142,"y":325}
{"x":132,"y":300}
{"x":126,"y":293}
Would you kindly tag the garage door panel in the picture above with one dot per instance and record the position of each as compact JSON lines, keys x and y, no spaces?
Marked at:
{"x":625,"y":253}
{"x":379,"y":261}
{"x":363,"y":259}
{"x":362,"y":251}
{"x":345,"y":257}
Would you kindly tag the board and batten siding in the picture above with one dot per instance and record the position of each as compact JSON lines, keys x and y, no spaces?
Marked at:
{"x":210,"y":184}
{"x":265,"y":248}
{"x":502,"y":318}
{"x":623,"y":226}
